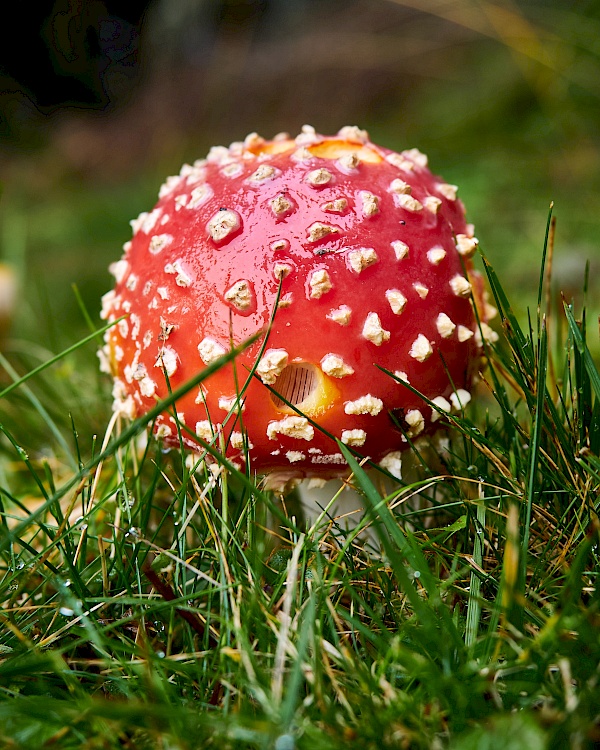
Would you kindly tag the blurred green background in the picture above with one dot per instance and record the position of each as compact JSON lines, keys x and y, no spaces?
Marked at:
{"x":99,"y":101}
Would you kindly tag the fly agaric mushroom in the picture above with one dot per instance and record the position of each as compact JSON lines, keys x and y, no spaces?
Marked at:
{"x":369,"y":256}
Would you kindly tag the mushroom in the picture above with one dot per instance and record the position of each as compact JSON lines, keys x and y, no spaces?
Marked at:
{"x":9,"y":292}
{"x":367,"y":256}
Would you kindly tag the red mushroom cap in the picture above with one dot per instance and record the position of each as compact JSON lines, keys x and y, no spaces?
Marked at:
{"x":372,"y":253}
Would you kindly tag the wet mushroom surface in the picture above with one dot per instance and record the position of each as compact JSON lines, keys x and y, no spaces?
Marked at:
{"x":367,"y":256}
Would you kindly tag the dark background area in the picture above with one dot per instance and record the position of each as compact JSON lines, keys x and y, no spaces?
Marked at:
{"x":100,"y":100}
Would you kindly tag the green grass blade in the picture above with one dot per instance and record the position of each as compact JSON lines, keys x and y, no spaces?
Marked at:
{"x":532,"y":486}
{"x":53,"y":360}
{"x":474,"y":603}
{"x":583,"y":350}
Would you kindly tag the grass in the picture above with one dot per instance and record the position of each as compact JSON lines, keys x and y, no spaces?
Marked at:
{"x":149,"y":602}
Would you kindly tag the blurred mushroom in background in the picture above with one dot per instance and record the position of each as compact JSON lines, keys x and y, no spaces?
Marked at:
{"x":8,"y":298}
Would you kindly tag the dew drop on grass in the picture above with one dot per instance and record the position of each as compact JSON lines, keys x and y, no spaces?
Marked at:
{"x":66,"y":612}
{"x":285,"y":742}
